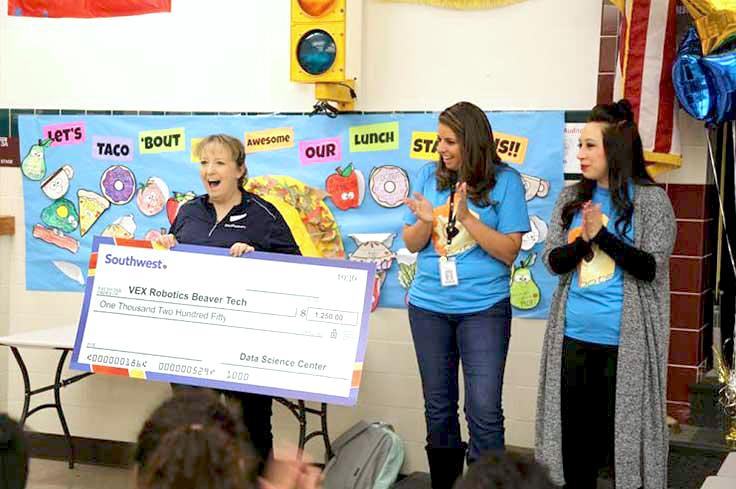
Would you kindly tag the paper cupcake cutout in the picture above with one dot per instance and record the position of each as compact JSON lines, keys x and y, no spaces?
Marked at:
{"x":123,"y":227}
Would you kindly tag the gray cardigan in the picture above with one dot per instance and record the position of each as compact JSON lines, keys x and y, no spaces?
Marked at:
{"x":641,"y":438}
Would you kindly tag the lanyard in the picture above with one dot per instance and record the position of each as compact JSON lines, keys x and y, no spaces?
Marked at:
{"x":451,"y":230}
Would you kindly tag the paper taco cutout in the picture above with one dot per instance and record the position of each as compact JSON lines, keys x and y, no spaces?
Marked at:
{"x":305,"y":212}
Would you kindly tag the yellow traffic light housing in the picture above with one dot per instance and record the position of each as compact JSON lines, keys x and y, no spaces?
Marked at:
{"x":317,"y":41}
{"x":343,"y":93}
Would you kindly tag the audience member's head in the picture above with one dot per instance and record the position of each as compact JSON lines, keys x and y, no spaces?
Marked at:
{"x":199,"y":457}
{"x":187,"y":407}
{"x":13,"y":454}
{"x":505,"y":470}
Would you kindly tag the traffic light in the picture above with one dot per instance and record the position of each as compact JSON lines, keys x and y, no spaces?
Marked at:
{"x":317,"y":41}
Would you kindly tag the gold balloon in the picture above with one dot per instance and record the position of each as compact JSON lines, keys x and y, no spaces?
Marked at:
{"x":715,"y":21}
{"x":727,"y":377}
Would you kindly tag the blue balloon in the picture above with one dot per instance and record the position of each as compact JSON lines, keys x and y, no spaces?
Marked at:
{"x":689,"y":80}
{"x":705,"y":85}
{"x":721,"y":71}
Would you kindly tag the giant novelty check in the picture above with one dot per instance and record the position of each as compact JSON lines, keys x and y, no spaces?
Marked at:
{"x":266,"y":323}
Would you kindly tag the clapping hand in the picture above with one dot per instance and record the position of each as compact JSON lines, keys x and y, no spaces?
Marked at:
{"x":461,"y":201}
{"x":592,"y":220}
{"x":420,"y":207}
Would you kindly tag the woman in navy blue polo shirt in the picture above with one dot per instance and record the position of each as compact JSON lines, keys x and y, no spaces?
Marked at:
{"x":229,"y":217}
{"x":466,"y":221}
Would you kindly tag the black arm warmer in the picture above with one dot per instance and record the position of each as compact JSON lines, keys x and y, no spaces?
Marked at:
{"x":566,"y":258}
{"x":638,"y":263}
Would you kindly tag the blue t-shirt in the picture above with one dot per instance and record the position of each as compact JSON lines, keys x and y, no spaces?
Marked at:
{"x":593,"y":311}
{"x":483,"y":280}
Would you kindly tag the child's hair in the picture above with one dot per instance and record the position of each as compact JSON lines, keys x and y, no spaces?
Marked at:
{"x":199,"y":457}
{"x":13,"y":454}
{"x":187,"y":407}
{"x":504,"y":470}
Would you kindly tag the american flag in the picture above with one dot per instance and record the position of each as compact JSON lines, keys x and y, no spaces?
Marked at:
{"x":646,"y":51}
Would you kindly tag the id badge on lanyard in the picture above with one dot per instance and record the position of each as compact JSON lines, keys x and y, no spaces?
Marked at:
{"x":448,"y":267}
{"x":448,"y":272}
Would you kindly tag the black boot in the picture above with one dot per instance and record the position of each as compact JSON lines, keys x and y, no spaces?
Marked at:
{"x":445,"y":465}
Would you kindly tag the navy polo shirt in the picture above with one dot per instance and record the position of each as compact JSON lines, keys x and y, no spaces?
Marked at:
{"x":254,"y":221}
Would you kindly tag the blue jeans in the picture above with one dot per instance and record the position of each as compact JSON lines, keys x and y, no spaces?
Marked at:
{"x":479,"y":340}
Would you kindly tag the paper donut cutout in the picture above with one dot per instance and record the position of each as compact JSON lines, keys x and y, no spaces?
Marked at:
{"x":118,"y":184}
{"x":152,"y":196}
{"x":389,"y":185}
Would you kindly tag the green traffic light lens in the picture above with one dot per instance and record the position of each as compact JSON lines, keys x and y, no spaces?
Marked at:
{"x":316,"y":52}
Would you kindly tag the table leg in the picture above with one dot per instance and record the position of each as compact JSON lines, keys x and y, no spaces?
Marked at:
{"x":26,"y":386}
{"x":300,"y":411}
{"x":322,"y":413}
{"x":302,"y":426}
{"x":57,"y":399}
{"x":58,"y":384}
{"x":325,"y":433}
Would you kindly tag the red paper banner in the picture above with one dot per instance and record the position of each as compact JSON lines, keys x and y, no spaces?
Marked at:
{"x":86,"y":8}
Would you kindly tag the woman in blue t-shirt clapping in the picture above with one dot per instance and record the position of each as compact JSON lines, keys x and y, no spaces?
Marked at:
{"x":465,"y":221}
{"x":603,"y":371}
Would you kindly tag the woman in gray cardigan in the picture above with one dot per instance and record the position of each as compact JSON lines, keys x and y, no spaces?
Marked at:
{"x":602,"y":393}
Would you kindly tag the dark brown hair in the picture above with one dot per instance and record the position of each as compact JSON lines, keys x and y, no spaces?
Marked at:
{"x":505,"y":470}
{"x":625,"y":159}
{"x":187,"y":406}
{"x":199,"y":457}
{"x":480,"y":160}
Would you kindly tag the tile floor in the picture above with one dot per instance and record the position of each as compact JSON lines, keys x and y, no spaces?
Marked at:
{"x":48,"y":474}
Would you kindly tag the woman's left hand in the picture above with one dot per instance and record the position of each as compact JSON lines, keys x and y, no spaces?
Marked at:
{"x":239,"y":249}
{"x":461,"y":202}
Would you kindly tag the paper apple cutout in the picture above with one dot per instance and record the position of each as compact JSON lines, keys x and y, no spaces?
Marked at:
{"x":346,"y":187}
{"x":174,"y":204}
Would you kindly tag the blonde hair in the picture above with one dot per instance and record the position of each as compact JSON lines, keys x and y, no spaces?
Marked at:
{"x":234,"y":145}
